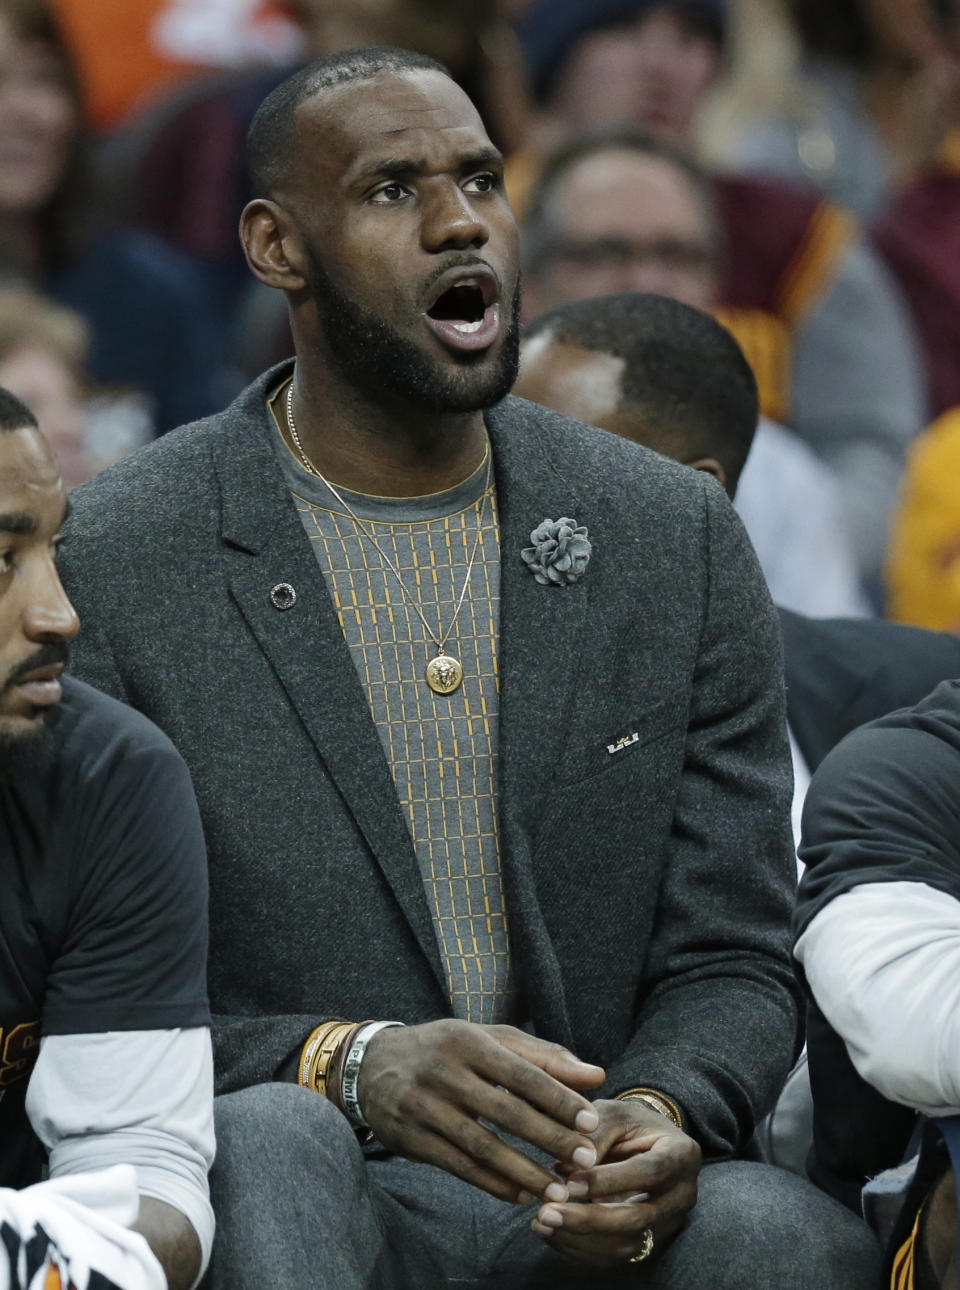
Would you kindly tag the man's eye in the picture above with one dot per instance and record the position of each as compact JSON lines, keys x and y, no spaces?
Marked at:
{"x":6,"y":562}
{"x":389,"y":193}
{"x":484,"y":183}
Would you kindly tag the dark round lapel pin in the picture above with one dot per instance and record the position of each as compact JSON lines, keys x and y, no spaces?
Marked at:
{"x":283,"y":596}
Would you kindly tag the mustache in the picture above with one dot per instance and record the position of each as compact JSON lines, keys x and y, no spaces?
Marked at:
{"x":46,"y":656}
{"x":460,"y":260}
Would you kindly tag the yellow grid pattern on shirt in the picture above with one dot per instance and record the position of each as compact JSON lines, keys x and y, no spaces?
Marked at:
{"x":442,"y":749}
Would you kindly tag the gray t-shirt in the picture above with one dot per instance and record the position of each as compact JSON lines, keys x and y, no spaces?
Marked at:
{"x":442,"y":749}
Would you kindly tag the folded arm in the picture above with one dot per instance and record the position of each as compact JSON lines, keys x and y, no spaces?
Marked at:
{"x":142,"y":1098}
{"x":879,"y":906}
{"x":883,"y":963}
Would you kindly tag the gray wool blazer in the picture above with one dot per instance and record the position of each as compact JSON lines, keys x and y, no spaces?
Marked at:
{"x":649,"y":889}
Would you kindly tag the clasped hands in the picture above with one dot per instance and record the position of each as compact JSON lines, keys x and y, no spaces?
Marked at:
{"x":620,"y":1168}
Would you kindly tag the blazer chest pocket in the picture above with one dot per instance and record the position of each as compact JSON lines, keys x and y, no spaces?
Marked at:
{"x":610,"y":803}
{"x":621,"y":741}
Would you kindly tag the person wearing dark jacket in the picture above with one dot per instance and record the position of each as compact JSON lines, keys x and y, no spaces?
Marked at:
{"x":531,"y":803}
{"x":878,"y":927}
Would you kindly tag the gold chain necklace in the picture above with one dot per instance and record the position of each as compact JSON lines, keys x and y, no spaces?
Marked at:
{"x":444,"y":672}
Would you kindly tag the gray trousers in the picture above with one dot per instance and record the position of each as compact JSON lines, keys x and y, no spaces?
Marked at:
{"x":298,"y":1205}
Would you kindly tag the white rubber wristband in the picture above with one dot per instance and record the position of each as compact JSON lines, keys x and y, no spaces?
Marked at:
{"x":351,"y":1071}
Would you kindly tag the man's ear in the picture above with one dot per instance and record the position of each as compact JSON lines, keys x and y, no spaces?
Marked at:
{"x":272,"y":245}
{"x":710,"y":466}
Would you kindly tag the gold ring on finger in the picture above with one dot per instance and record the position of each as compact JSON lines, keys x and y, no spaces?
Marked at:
{"x":646,"y":1249}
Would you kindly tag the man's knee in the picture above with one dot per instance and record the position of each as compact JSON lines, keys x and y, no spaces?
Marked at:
{"x":272,"y":1129}
{"x":289,"y":1189}
{"x":761,"y":1226}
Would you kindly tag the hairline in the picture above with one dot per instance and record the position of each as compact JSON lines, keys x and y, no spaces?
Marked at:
{"x":305,"y":86}
{"x":628,"y":402}
{"x":544,"y":227}
{"x":701,"y":441}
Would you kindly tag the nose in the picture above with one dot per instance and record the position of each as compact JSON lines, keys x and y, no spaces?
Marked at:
{"x":450,"y":220}
{"x":48,"y":614}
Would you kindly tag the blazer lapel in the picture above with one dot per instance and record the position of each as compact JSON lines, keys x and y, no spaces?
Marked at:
{"x":541,"y":630}
{"x":265,"y":546}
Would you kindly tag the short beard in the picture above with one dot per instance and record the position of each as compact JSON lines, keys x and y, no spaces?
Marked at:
{"x":31,"y":752}
{"x":367,"y":353}
{"x":26,"y":755}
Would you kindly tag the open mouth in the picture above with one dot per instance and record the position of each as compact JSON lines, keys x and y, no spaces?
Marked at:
{"x":466,"y":316}
{"x":462,"y":306}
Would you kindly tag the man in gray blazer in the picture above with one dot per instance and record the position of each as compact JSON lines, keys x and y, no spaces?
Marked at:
{"x":485,"y":716}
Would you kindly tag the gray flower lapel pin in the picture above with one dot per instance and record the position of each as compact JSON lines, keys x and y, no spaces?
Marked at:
{"x":560,"y":552}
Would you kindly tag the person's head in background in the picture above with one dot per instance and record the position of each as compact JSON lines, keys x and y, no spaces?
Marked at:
{"x":616,"y":210}
{"x":471,"y":40}
{"x":650,"y":369}
{"x":44,"y":177}
{"x":43,"y":349}
{"x":646,"y":63}
{"x":432,"y":27}
{"x":891,"y":67}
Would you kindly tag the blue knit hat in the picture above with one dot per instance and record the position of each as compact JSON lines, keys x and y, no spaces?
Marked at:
{"x":550,"y":28}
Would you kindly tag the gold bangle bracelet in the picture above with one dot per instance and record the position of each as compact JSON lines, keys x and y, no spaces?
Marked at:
{"x":311,"y":1049}
{"x":657,"y":1101}
{"x":325,"y":1055}
{"x":306,"y":1054}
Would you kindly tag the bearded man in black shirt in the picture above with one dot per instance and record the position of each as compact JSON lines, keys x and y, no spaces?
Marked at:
{"x":105,"y":1065}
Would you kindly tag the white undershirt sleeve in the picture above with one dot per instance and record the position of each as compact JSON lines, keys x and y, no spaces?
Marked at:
{"x":883,"y":962}
{"x":138,"y":1097}
{"x":801,"y":782}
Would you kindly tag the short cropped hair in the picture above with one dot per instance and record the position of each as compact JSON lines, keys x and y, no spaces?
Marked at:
{"x":271,"y":138}
{"x":14,"y":413}
{"x":685,"y":376}
{"x":539,"y":231}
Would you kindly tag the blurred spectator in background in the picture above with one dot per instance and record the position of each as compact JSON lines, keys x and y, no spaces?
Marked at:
{"x":43,"y":350}
{"x":618,"y":211}
{"x":128,"y":51}
{"x":817,"y":314}
{"x":878,"y":91}
{"x":611,"y":62}
{"x":473,"y":41}
{"x":923,"y":569}
{"x":873,"y":122}
{"x":147,"y":316}
{"x":919,"y":238}
{"x":43,"y":360}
